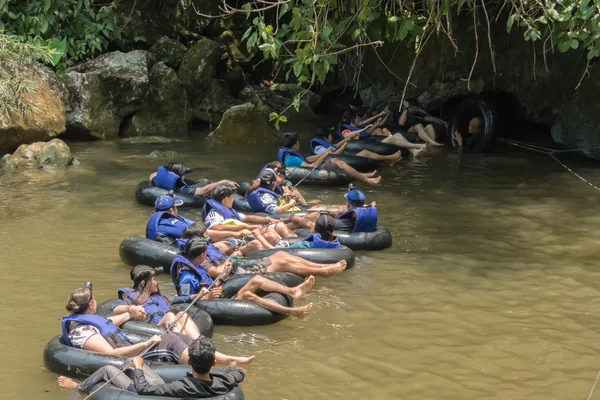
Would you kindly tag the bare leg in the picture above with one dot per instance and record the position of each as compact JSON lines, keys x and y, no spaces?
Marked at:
{"x":391,"y":159}
{"x":299,"y":222}
{"x":425,"y":134}
{"x":168,"y":319}
{"x":188,"y":326}
{"x":331,"y":209}
{"x":249,"y":290}
{"x":266,"y":285}
{"x":430,"y":130}
{"x":283,"y":230}
{"x":252,"y":245}
{"x":284,"y":262}
{"x":354,"y":173}
{"x":272,"y":236}
{"x":398,"y":140}
{"x":381,"y":132}
{"x":220,"y":358}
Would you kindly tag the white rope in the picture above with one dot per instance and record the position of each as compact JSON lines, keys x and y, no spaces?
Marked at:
{"x":551,"y":154}
{"x":593,"y":387}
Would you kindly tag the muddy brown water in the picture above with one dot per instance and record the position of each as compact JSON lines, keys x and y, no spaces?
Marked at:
{"x":490,"y":290}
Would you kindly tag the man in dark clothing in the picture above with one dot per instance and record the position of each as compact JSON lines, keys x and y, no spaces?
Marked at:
{"x":204,"y":380}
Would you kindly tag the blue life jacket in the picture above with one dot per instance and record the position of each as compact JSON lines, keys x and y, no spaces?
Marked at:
{"x":226,"y":212}
{"x":167,"y":180}
{"x":366,"y":218}
{"x":318,"y":243}
{"x":215,"y":256}
{"x":285,"y":151}
{"x":343,"y":127}
{"x":314,"y":143}
{"x":201,"y":274}
{"x":107,"y":328}
{"x":156,"y":307}
{"x":254,"y":200}
{"x":152,"y":225}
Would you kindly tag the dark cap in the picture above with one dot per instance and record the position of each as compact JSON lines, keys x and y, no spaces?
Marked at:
{"x":290,"y":139}
{"x":355,"y":197}
{"x":325,"y":225}
{"x":324,"y":132}
{"x":223,"y":190}
{"x":178,"y":168}
{"x":267,"y":176}
{"x":166,"y":201}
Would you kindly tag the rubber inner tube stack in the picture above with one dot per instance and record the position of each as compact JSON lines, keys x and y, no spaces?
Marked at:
{"x":385,"y":149}
{"x":467,"y":110}
{"x":201,"y":318}
{"x":318,"y":176}
{"x":135,"y":250}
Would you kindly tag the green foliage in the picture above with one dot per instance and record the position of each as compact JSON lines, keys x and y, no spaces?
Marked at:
{"x":311,"y":37}
{"x":72,"y":29}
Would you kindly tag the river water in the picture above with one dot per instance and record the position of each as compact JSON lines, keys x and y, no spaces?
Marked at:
{"x":490,"y":290}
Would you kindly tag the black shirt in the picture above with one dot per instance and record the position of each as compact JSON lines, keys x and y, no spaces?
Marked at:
{"x":223,"y":381}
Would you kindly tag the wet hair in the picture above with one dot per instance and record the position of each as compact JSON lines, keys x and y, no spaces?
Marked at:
{"x":290,"y":139}
{"x":478,"y":123}
{"x":143,"y":274}
{"x":178,"y":168}
{"x":324,"y":226}
{"x":202,"y":355}
{"x":195,"y":247}
{"x":275,"y":165}
{"x":79,"y":300}
{"x":324,"y":133}
{"x":222,"y":191}
{"x":195,"y":230}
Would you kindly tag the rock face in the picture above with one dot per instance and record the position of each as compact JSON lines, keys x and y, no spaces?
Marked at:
{"x":167,"y":50}
{"x":49,"y":155}
{"x":578,"y":120}
{"x":104,"y":91}
{"x":278,"y":98}
{"x":215,"y":101}
{"x":198,"y":66}
{"x":164,"y":111}
{"x":243,"y":124}
{"x":43,"y":115}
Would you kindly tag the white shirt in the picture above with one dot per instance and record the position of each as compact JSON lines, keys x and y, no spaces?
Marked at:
{"x":215,"y":218}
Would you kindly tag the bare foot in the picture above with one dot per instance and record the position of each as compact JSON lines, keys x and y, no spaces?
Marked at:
{"x":416,"y":152}
{"x":396,"y":157}
{"x":370,"y":174}
{"x":241,"y":360}
{"x":301,"y":312}
{"x":303,"y":288}
{"x":65,"y":382}
{"x":436,"y":144}
{"x":374,"y":180}
{"x":335,"y":269}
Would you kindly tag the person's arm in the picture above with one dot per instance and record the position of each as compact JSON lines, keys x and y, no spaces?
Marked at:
{"x":404,"y":114}
{"x":315,"y":160}
{"x":285,"y":207}
{"x":218,"y":235}
{"x":135,"y":312}
{"x":152,"y":175}
{"x":231,"y":228}
{"x":98,"y":344}
{"x":207,"y":190}
{"x":370,"y":120}
{"x":257,"y":219}
{"x":258,"y":236}
{"x":215,"y":271}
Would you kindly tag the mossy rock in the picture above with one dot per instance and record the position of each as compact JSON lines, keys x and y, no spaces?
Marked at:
{"x":244,"y":124}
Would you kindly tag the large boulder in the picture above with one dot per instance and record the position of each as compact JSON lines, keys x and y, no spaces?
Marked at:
{"x":38,"y":114}
{"x":198,"y":66}
{"x":88,"y":113}
{"x":279,"y":98}
{"x":216,"y":100}
{"x":235,"y":50}
{"x":167,"y":50}
{"x":243,"y":124}
{"x":49,"y":155}
{"x":123,"y":76}
{"x":578,"y":120}
{"x":104,"y":91}
{"x":164,"y":111}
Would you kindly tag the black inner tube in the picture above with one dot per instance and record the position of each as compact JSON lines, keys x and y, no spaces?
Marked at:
{"x":466,"y":111}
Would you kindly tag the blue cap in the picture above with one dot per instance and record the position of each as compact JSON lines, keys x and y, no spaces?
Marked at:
{"x":355,"y":196}
{"x":163,"y":203}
